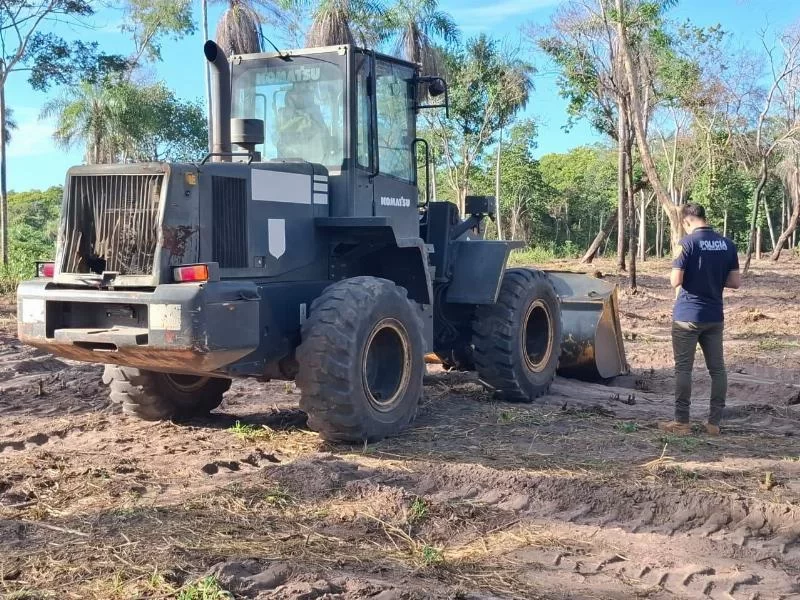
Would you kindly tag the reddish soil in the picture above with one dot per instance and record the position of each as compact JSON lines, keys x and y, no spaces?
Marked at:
{"x":576,"y":496}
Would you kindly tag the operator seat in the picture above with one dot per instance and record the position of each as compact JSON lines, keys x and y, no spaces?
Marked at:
{"x":302,"y":132}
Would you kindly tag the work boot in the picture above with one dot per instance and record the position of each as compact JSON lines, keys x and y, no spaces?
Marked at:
{"x":676,"y":427}
{"x":712,"y":429}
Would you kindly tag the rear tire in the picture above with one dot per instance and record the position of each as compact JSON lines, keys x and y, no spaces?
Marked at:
{"x":518,"y":339}
{"x":361,"y":361}
{"x":156,"y":396}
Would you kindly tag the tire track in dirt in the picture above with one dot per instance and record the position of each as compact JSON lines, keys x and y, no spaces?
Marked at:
{"x":627,"y":537}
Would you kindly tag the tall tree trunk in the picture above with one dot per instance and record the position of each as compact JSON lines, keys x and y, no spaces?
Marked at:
{"x":497,"y":186}
{"x":514,"y":222}
{"x":725,"y":222}
{"x":643,"y":227}
{"x":631,"y":216}
{"x":3,"y":191}
{"x":433,"y":180}
{"x":605,"y":230}
{"x":622,"y":148}
{"x":462,"y":199}
{"x":769,"y":223}
{"x":659,"y":230}
{"x":676,"y":228}
{"x":608,"y":237}
{"x":791,"y":226}
{"x":784,"y":210}
{"x":758,"y":242}
{"x":754,"y":214}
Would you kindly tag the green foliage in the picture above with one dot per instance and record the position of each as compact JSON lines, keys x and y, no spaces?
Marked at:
{"x":118,"y":120}
{"x":531,"y":256}
{"x":207,"y":588}
{"x":523,"y":193}
{"x":414,"y":24}
{"x":488,"y":86}
{"x":431,"y":556}
{"x":248,"y":432}
{"x":45,"y":56}
{"x":418,"y":510}
{"x":149,"y":21}
{"x":278,"y":497}
{"x":581,"y":187}
{"x":686,"y":443}
{"x":627,"y":427}
{"x":33,"y":228}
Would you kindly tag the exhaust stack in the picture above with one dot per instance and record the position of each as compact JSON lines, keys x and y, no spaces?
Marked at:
{"x":220,"y":100}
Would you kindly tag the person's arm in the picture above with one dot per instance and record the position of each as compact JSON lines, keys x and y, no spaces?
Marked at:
{"x":676,"y":277}
{"x":679,"y":265}
{"x":734,"y":280}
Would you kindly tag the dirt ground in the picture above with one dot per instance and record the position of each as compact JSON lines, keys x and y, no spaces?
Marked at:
{"x":576,"y":496}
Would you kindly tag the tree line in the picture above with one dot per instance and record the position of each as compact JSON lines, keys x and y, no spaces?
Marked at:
{"x":684,"y":113}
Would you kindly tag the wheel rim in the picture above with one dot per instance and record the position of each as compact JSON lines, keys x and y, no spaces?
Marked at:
{"x":186,"y":383}
{"x":537,"y":336}
{"x":386,"y":365}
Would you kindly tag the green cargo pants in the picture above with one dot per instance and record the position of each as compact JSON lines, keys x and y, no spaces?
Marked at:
{"x":685,"y":337}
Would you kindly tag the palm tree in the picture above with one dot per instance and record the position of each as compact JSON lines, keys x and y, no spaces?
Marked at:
{"x":415,"y":24}
{"x":11,"y":125}
{"x":343,"y":22}
{"x":96,"y":114}
{"x":239,"y":29}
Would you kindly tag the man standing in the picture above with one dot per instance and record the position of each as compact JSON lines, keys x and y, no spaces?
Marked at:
{"x":706,"y":263}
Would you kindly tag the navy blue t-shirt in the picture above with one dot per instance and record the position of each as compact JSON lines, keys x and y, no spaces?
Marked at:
{"x":706,"y":259}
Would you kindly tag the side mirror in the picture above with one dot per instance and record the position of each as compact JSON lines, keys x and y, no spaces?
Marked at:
{"x":436,"y":88}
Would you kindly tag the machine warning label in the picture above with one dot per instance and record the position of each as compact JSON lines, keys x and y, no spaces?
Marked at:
{"x":401,"y":201}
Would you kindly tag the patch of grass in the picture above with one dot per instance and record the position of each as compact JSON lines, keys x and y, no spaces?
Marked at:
{"x":768,"y":344}
{"x":627,"y":427}
{"x":207,"y":588}
{"x":248,"y":432}
{"x":530,"y":256}
{"x":430,"y":555}
{"x":517,"y":417}
{"x":278,"y":497}
{"x":418,"y":510}
{"x":685,"y":474}
{"x":687,"y":443}
{"x":791,"y":458}
{"x":588,"y":413}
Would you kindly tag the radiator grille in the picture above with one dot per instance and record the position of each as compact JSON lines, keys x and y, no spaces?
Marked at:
{"x":229,"y":201}
{"x":111,"y":223}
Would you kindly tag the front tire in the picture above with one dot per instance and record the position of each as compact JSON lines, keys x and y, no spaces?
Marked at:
{"x":517,"y":340}
{"x":361,"y":361}
{"x":153,"y":396}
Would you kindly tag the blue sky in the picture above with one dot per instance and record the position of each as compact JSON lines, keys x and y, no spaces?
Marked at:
{"x":35,"y":162}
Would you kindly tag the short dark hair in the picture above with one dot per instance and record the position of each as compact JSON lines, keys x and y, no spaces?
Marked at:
{"x":692,"y":209}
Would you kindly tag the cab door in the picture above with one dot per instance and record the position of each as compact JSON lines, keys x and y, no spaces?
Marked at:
{"x":386,"y":129}
{"x":395,"y":186}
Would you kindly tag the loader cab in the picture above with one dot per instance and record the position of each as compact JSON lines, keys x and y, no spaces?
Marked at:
{"x":348,"y":109}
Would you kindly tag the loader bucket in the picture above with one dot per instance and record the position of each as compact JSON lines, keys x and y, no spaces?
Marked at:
{"x":591,"y":346}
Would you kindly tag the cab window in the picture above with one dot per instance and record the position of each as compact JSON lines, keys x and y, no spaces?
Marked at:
{"x":394,"y":92}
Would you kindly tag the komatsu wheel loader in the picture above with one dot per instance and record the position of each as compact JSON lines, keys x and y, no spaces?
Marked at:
{"x":300,"y":248}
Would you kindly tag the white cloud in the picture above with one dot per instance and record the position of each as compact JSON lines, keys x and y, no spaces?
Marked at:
{"x":32,"y":137}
